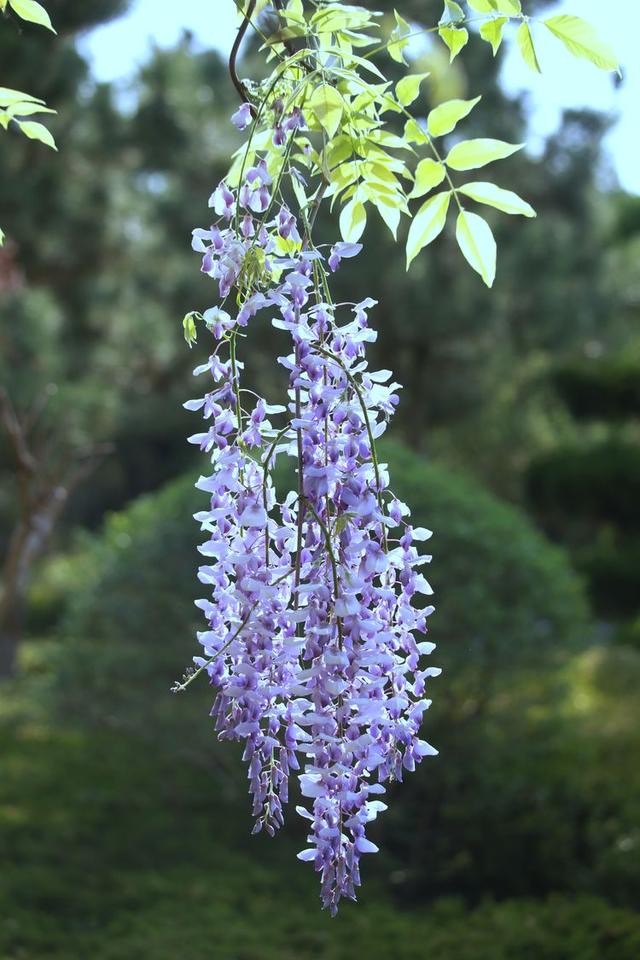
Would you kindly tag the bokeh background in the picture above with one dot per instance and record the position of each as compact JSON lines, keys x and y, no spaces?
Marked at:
{"x":124,"y":825}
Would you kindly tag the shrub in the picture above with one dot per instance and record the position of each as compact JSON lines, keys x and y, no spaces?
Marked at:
{"x":600,"y":390}
{"x":510,"y":612}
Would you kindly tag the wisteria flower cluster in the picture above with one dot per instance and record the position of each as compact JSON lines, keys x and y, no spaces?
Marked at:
{"x":315,"y":608}
{"x":311,"y":627}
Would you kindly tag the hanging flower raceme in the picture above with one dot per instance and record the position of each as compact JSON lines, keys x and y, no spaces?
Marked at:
{"x":311,"y":637}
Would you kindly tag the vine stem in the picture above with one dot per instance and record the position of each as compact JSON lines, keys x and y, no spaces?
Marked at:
{"x":233,"y":57}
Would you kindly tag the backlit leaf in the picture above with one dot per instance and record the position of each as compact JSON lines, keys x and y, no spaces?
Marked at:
{"x":37,"y":131}
{"x":492,"y":32}
{"x":445,"y":117}
{"x":408,"y":88}
{"x":477,"y":244}
{"x":353,"y":220}
{"x":33,"y":12}
{"x":328,"y":107}
{"x":429,"y":174}
{"x":527,"y":48}
{"x":493,"y":196}
{"x":427,"y":224}
{"x":581,"y":39}
{"x":455,"y":38}
{"x":471,"y":154}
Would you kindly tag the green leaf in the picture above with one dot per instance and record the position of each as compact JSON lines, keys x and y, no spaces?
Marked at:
{"x":581,"y":39}
{"x":353,"y":220}
{"x":455,"y":39}
{"x":32,"y":11}
{"x":189,"y":328}
{"x":398,"y":40}
{"x":445,"y":117}
{"x":492,"y":32}
{"x":429,"y":174}
{"x":408,"y":88}
{"x":1,"y":236}
{"x":527,"y":48}
{"x":390,"y":213}
{"x":471,"y":154}
{"x":493,"y":196}
{"x":27,"y":109}
{"x":452,"y":12}
{"x":482,"y":6}
{"x":413,"y":132}
{"x":8,"y":97}
{"x":328,"y":107}
{"x":512,"y":8}
{"x":477,"y":244}
{"x":37,"y":131}
{"x":427,"y":224}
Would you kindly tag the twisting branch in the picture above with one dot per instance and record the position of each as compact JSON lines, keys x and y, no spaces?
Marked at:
{"x":233,"y":57}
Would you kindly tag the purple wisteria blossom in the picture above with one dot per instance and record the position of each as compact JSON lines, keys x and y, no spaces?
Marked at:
{"x":312,"y":636}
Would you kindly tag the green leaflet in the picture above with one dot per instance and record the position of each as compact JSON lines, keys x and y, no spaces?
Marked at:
{"x":328,"y":107}
{"x":512,"y":8}
{"x":429,"y":174}
{"x":492,"y":32}
{"x":398,"y":41}
{"x":444,"y":118}
{"x":33,"y":12}
{"x":37,"y":131}
{"x":408,"y":88}
{"x":478,"y":245}
{"x":455,"y":38}
{"x":505,"y":200}
{"x":353,"y":220}
{"x":471,"y":154}
{"x":581,"y":40}
{"x":427,"y":224}
{"x":9,"y":97}
{"x":527,"y":48}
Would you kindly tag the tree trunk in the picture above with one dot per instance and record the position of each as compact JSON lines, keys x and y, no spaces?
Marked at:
{"x":12,"y":601}
{"x":27,"y":543}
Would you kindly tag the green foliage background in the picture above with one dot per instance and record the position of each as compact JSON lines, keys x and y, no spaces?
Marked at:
{"x":123,"y":824}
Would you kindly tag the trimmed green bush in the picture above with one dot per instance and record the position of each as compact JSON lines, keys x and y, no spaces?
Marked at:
{"x":601,"y":389}
{"x":510,"y":612}
{"x":506,"y":599}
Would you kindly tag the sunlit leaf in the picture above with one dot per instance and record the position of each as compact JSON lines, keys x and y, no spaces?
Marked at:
{"x":27,"y":109}
{"x":582,"y":40}
{"x":452,"y":12}
{"x":33,"y":12}
{"x":408,"y":88}
{"x":427,"y":224}
{"x":445,"y":117}
{"x":493,"y":196}
{"x":471,"y":154}
{"x":455,"y":39}
{"x":390,"y":213}
{"x":398,"y":40}
{"x":492,"y":31}
{"x":512,"y":8}
{"x":37,"y":131}
{"x":429,"y":174}
{"x":413,"y":132}
{"x":7,"y":97}
{"x":353,"y":220}
{"x":328,"y":107}
{"x":477,"y":244}
{"x":527,"y":48}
